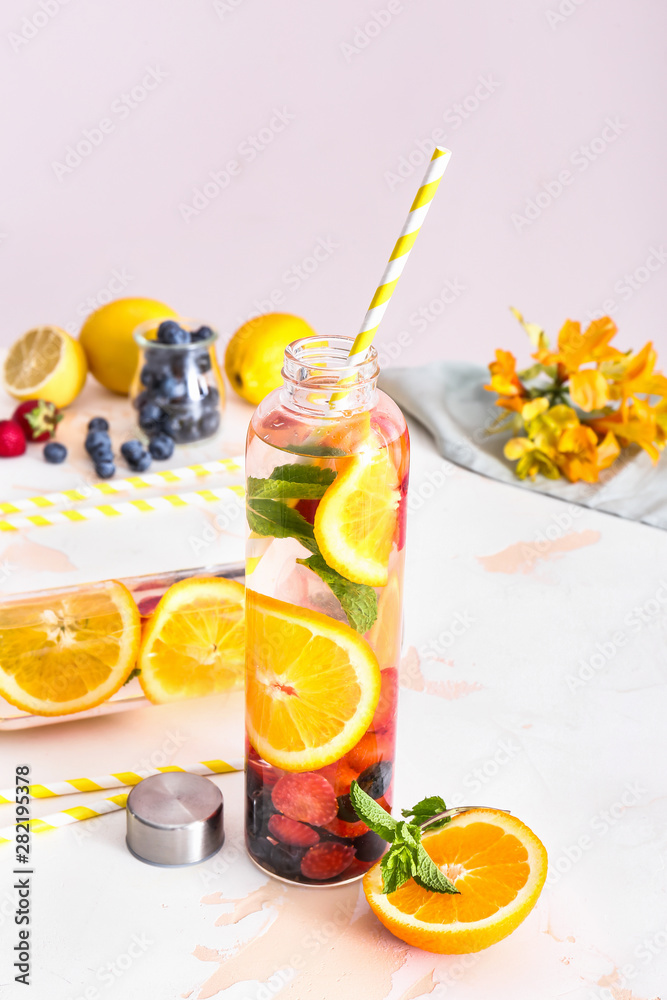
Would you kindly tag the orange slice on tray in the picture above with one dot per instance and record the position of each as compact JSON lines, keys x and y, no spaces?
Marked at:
{"x":70,"y":651}
{"x":499,"y":867}
{"x":194,"y":643}
{"x":312,"y":685}
{"x":356,"y":518}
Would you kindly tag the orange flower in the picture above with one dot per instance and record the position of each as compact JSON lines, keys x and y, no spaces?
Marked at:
{"x":580,"y":456}
{"x":505,"y":381}
{"x":638,"y":423}
{"x":589,"y":389}
{"x":634,"y":373}
{"x":576,"y":348}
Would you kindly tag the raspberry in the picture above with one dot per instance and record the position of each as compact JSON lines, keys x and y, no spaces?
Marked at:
{"x":289,"y":831}
{"x":386,"y":709}
{"x":371,"y":748}
{"x":306,"y":797}
{"x":326,"y":861}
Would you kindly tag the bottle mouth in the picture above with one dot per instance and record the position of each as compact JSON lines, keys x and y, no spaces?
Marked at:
{"x":145,"y":335}
{"x":325,"y":361}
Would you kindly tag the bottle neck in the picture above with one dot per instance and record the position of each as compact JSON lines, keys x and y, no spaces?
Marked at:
{"x":321,"y":380}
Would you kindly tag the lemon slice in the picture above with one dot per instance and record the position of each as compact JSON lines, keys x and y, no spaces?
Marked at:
{"x":312,"y":685}
{"x":356,"y":518}
{"x":68,"y":652}
{"x":45,"y":363}
{"x":194,"y":643}
{"x":499,"y":867}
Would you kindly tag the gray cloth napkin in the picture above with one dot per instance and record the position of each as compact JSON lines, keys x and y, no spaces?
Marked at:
{"x":448,"y":398}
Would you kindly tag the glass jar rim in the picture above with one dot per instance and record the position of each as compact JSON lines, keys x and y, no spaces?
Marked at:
{"x":143,"y":341}
{"x":329,"y":356}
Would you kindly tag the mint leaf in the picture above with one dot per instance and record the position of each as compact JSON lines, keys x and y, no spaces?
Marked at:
{"x":358,"y":600}
{"x":426,"y":809}
{"x":134,"y":673}
{"x":295,"y":473}
{"x":272,"y":517}
{"x":397,"y":867}
{"x":429,"y":876}
{"x":371,"y":812}
{"x":316,"y":450}
{"x":293,"y":482}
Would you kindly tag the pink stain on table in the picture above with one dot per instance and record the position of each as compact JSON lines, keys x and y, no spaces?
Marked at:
{"x":411,"y":677}
{"x":522,"y":557}
{"x":28,"y":555}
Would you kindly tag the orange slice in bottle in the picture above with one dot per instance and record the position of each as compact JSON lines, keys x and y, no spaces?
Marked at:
{"x":356,"y":518}
{"x":497,"y":864}
{"x":70,"y":651}
{"x":194,"y":643}
{"x":312,"y":685}
{"x":385,"y":633}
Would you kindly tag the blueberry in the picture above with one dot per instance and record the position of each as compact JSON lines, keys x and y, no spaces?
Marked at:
{"x":143,"y":397}
{"x":148,"y":377}
{"x":169,"y":387}
{"x":286,"y":860}
{"x":95,"y":438}
{"x":209,"y":423}
{"x":212,"y":398}
{"x":259,"y":809}
{"x":346,"y":810}
{"x":170,"y":332}
{"x":203,"y":362}
{"x":203,"y":333}
{"x":375,"y":780}
{"x":105,"y":470}
{"x":101,"y":453}
{"x":98,"y":424}
{"x":150,"y":416}
{"x":55,"y":452}
{"x":369,"y":847}
{"x":131,"y":450}
{"x":161,"y":447}
{"x":141,"y":463}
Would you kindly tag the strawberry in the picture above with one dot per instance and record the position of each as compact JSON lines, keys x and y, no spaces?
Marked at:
{"x":307,"y":509}
{"x":340,"y":775}
{"x":326,"y":860}
{"x":388,"y":700}
{"x":37,"y":419}
{"x":306,"y":797}
{"x":12,"y":439}
{"x":289,"y":831}
{"x":371,"y":748}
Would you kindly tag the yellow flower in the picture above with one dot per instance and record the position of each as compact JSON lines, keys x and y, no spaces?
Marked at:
{"x":589,"y":389}
{"x":534,"y":408}
{"x":577,"y":448}
{"x":637,"y":423}
{"x":531,"y":459}
{"x":505,"y":381}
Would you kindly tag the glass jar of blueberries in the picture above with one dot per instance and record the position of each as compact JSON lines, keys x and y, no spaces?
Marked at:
{"x":177,"y":389}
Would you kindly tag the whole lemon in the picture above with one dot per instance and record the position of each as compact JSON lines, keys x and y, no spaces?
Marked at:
{"x":106,"y":337}
{"x":254,"y":355}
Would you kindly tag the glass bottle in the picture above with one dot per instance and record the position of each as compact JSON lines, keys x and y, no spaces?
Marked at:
{"x":327,"y":463}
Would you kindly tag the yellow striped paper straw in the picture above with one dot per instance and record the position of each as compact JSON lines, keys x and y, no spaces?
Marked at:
{"x":169,"y":477}
{"x":68,"y":816}
{"x":196,"y":498}
{"x":401,"y":252}
{"x":121,"y":779}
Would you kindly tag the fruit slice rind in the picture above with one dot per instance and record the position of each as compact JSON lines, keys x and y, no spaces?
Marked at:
{"x":293,"y":721}
{"x":193,"y":644}
{"x":100,"y":627}
{"x":356,"y":519}
{"x":457,"y":936}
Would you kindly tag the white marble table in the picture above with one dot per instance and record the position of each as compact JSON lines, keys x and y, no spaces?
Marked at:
{"x":534,"y":680}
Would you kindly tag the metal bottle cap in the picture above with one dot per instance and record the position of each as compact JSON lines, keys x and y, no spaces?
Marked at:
{"x":175,"y":819}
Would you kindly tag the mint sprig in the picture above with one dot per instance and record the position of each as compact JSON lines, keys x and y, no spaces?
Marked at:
{"x":269,"y":515}
{"x":406,"y":858}
{"x":425,"y":810}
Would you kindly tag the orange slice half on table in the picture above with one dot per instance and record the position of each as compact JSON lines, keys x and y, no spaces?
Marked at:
{"x":70,"y":651}
{"x":312,"y":685}
{"x":356,"y":518}
{"x":499,"y":867}
{"x":194,"y":643}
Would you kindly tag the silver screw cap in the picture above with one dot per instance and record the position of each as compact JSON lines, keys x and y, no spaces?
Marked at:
{"x":175,"y":819}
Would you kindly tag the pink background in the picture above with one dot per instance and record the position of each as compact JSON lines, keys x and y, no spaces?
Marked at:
{"x":358,"y":97}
